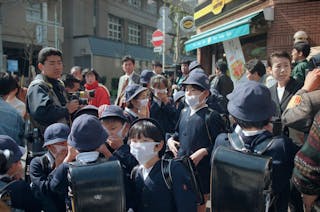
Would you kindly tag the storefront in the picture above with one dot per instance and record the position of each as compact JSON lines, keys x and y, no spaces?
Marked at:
{"x":240,"y":30}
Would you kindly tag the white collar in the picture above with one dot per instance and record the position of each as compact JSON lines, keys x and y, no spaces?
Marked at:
{"x":131,"y":112}
{"x":252,"y":132}
{"x":193,"y":111}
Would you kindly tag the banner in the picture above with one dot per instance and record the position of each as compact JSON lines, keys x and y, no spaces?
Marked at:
{"x":235,"y":59}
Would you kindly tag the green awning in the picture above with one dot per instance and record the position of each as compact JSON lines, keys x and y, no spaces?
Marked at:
{"x":221,"y":33}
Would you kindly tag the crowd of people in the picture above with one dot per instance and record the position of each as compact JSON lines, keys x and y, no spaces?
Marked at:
{"x":154,"y":116}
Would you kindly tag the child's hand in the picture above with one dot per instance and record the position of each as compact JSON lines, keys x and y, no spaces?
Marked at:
{"x":198,"y":155}
{"x":115,"y":142}
{"x":72,"y":153}
{"x":172,"y":144}
{"x":104,"y":150}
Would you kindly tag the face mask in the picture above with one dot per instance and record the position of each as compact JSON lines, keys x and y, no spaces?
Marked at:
{"x":192,"y":101}
{"x":143,"y":151}
{"x":143,"y":102}
{"x":119,"y":133}
{"x":160,"y":91}
{"x":60,"y":148}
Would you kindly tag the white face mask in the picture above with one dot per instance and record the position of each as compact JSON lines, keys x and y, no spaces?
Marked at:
{"x":192,"y":101}
{"x":143,"y":102}
{"x":159,"y":91}
{"x":143,"y":151}
{"x":119,"y":133}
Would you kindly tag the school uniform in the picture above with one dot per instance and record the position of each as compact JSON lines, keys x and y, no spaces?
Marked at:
{"x":193,"y":135}
{"x":153,"y":195}
{"x":282,"y":152}
{"x":165,"y":114}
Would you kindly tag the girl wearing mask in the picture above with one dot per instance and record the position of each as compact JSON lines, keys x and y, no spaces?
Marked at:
{"x":162,"y":108}
{"x":147,"y":145}
{"x":137,"y":100}
{"x":193,"y":137}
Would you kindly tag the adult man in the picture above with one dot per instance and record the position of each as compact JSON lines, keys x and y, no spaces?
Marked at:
{"x":157,"y":67}
{"x":255,"y":70}
{"x":185,"y":73}
{"x":71,"y":83}
{"x":130,"y":77}
{"x":222,"y":82}
{"x":11,"y":173}
{"x":300,"y":52}
{"x":76,"y":71}
{"x":12,"y":123}
{"x":55,"y":140}
{"x":46,"y":97}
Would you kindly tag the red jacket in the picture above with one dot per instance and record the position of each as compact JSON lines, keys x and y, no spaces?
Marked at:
{"x":102,"y":95}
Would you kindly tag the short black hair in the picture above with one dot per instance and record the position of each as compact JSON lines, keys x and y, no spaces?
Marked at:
{"x":7,"y":83}
{"x":91,"y":71}
{"x":128,"y":58}
{"x":222,"y":66}
{"x":302,"y":47}
{"x":255,"y":65}
{"x":148,"y":128}
{"x":46,"y":52}
{"x":280,"y":54}
{"x":70,"y":80}
{"x":249,"y":124}
{"x":156,"y":80}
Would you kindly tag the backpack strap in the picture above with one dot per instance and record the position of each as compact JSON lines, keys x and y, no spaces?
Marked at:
{"x":166,"y":172}
{"x":238,"y":144}
{"x":206,"y":122}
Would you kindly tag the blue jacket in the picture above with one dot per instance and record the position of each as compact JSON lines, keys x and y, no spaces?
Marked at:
{"x":154,"y":196}
{"x":282,"y":152}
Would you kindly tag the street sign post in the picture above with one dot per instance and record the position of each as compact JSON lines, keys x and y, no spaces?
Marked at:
{"x":157,"y":38}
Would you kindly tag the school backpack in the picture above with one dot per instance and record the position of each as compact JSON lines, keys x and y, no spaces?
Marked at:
{"x":241,"y":178}
{"x":190,"y":167}
{"x":97,"y":186}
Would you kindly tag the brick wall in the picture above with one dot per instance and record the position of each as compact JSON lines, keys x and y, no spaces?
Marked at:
{"x":291,"y":17}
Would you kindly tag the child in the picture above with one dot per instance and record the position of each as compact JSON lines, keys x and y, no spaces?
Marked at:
{"x":162,"y":108}
{"x":137,"y":100}
{"x":116,"y":125}
{"x":147,"y":145}
{"x":193,"y":137}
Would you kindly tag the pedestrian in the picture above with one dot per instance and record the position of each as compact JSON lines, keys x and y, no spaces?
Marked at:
{"x":47,"y":101}
{"x":197,"y":129}
{"x":300,"y":52}
{"x":147,"y":145}
{"x":256,"y":71}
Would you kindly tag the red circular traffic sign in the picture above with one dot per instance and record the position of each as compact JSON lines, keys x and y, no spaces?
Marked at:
{"x":157,"y":38}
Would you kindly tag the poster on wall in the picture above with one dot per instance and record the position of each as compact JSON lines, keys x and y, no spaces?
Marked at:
{"x":235,"y":59}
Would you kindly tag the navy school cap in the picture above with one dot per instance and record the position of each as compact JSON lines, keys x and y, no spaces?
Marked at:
{"x":145,"y":76}
{"x":132,"y":91}
{"x":251,"y":101}
{"x":198,"y":78}
{"x":87,"y":133}
{"x":178,"y":95}
{"x":56,"y":133}
{"x":7,"y":142}
{"x":113,"y":111}
{"x":87,"y":109}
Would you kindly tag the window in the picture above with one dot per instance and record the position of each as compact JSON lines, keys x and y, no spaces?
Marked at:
{"x":134,"y":33}
{"x":135,"y":3}
{"x":33,"y":12}
{"x":149,"y":37}
{"x":114,"y":28}
{"x":151,"y":6}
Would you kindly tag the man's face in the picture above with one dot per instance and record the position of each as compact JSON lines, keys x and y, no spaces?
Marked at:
{"x":185,"y":69}
{"x":128,"y":67}
{"x":157,"y":69}
{"x":52,"y":67}
{"x":76,"y":87}
{"x":296,"y":55}
{"x":281,"y":69}
{"x":252,"y":76}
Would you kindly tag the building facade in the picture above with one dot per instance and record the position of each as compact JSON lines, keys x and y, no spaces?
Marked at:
{"x":247,"y":29}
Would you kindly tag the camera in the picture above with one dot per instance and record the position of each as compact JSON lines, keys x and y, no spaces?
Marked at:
{"x":81,"y":96}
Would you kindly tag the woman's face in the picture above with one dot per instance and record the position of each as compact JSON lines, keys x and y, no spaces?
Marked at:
{"x":90,"y":78}
{"x":281,"y":69}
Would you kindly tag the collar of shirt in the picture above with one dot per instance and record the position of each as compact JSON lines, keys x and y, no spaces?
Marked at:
{"x":158,"y":101}
{"x":145,"y":171}
{"x":252,"y":132}
{"x":193,"y":111}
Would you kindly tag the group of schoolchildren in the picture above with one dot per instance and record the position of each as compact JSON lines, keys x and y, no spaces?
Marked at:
{"x":136,"y":136}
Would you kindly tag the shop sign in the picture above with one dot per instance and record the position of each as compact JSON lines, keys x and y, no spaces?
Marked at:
{"x":217,"y":6}
{"x":187,"y":24}
{"x":235,"y":59}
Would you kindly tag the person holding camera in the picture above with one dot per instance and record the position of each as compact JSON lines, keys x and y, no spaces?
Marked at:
{"x":101,"y":93}
{"x":47,"y":101}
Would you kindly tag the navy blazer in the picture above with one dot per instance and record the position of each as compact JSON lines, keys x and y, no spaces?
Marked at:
{"x":153,"y":195}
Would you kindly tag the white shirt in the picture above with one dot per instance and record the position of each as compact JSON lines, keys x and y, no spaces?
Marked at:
{"x":145,"y":172}
{"x":280,"y":92}
{"x":193,"y":111}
